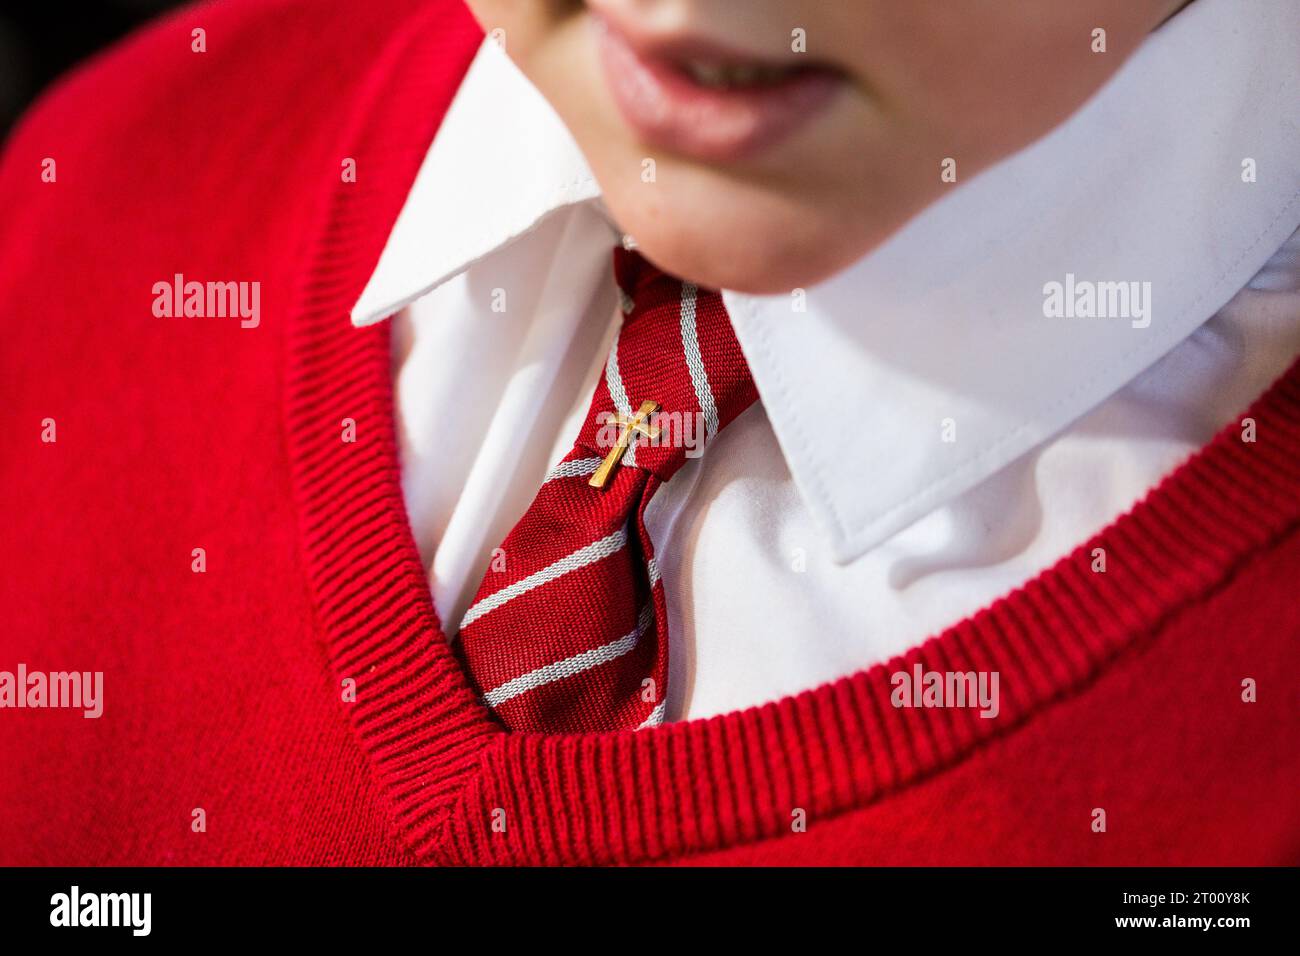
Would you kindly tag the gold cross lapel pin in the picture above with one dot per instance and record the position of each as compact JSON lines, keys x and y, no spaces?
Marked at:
{"x":638,"y":424}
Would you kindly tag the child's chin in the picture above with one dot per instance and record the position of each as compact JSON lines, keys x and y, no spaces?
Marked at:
{"x":761,"y":258}
{"x":724,"y":232}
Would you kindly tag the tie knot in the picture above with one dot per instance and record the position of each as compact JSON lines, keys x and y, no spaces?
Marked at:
{"x":642,"y":286}
{"x":675,"y":375}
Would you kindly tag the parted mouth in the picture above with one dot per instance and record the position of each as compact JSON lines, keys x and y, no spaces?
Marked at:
{"x":708,"y":100}
{"x":708,"y":61}
{"x":718,"y":74}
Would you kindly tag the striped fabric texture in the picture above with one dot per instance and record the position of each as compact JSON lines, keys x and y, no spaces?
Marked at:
{"x":568,"y":630}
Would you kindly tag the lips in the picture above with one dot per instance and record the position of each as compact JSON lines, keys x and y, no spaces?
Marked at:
{"x":706,"y":102}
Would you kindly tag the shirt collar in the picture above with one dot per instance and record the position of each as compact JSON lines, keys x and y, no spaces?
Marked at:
{"x":502,"y":161}
{"x":929,"y":364}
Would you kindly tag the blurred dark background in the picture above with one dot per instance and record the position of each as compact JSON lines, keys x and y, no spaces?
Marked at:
{"x":40,"y":39}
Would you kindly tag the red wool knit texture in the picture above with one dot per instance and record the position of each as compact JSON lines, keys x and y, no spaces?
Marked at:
{"x":227,"y":691}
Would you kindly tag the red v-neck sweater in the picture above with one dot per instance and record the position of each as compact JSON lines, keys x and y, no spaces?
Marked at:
{"x":225,"y":691}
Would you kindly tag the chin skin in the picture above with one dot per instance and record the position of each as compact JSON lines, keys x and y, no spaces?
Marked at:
{"x":752,"y":240}
{"x":921,"y":84}
{"x":796,"y":217}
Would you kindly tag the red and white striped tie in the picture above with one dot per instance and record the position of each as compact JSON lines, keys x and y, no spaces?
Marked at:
{"x":572,"y":635}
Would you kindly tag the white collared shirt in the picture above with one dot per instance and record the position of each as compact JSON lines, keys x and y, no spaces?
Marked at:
{"x":929,"y":437}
